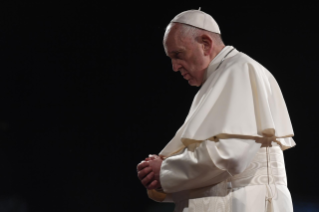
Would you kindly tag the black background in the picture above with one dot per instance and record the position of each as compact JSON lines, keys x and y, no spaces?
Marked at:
{"x":87,"y":93}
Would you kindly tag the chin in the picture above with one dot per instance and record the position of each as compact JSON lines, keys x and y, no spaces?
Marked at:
{"x":193,"y":83}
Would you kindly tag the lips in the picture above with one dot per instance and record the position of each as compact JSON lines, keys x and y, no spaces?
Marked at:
{"x":185,"y":75}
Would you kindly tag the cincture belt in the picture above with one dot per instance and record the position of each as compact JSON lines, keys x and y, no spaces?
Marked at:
{"x":267,"y":168}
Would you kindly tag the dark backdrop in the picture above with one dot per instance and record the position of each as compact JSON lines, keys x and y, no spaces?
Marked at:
{"x":87,"y":92}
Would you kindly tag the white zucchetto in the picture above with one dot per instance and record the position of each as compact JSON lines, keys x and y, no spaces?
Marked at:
{"x":197,"y":19}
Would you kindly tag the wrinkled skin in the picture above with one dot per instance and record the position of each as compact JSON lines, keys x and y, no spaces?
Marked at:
{"x":190,"y":56}
{"x":149,"y":171}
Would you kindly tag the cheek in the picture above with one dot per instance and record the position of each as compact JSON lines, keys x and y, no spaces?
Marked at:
{"x":198,"y":60}
{"x":195,"y":67}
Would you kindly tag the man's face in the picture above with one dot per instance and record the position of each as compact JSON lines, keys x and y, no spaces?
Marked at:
{"x":186,"y":54}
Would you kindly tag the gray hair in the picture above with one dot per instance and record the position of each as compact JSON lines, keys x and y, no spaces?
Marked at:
{"x":194,"y":32}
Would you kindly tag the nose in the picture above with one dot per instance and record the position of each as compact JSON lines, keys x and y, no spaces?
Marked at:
{"x":175,"y":66}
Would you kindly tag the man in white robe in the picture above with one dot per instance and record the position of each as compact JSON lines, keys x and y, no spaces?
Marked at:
{"x":227,"y":156}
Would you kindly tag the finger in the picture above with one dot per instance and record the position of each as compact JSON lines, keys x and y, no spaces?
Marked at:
{"x":146,"y":180}
{"x":141,"y":174}
{"x":142,"y":165}
{"x":148,"y":159}
{"x":153,"y":185}
{"x":153,"y":156}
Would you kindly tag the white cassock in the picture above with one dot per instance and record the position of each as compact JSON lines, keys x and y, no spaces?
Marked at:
{"x":228,"y":154}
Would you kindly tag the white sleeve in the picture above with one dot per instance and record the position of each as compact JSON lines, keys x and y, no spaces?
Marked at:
{"x":208,"y":164}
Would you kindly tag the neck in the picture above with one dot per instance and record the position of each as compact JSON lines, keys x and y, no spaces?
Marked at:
{"x":216,"y":51}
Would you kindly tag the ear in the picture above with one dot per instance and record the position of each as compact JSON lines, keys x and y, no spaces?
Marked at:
{"x":207,"y":44}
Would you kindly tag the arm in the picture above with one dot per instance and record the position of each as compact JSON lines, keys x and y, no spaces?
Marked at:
{"x":210,"y":163}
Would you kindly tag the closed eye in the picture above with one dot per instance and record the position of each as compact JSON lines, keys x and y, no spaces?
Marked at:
{"x":177,"y":55}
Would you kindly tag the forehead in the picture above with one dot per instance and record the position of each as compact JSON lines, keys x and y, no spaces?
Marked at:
{"x":173,"y":41}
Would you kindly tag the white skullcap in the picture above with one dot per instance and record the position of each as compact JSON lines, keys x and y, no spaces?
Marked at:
{"x":197,"y":19}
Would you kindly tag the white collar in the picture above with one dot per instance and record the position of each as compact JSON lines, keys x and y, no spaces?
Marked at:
{"x":218,"y":59}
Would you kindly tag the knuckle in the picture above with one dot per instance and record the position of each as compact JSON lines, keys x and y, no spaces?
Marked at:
{"x":144,"y":182}
{"x":141,"y":174}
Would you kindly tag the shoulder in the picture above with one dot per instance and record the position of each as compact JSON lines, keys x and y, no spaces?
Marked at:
{"x":242,"y":59}
{"x":241,"y":62}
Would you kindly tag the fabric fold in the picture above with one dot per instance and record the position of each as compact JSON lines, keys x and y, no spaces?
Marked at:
{"x":241,"y":98}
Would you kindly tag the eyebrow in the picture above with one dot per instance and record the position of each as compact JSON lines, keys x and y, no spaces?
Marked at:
{"x":174,"y":52}
{"x":177,"y":51}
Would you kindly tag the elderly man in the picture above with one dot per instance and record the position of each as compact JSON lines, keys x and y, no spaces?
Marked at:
{"x":228,"y":154}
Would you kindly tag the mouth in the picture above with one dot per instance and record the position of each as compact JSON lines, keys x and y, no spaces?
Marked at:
{"x":185,"y":75}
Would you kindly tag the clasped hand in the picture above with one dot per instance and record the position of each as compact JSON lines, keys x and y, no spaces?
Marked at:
{"x":148,"y":172}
